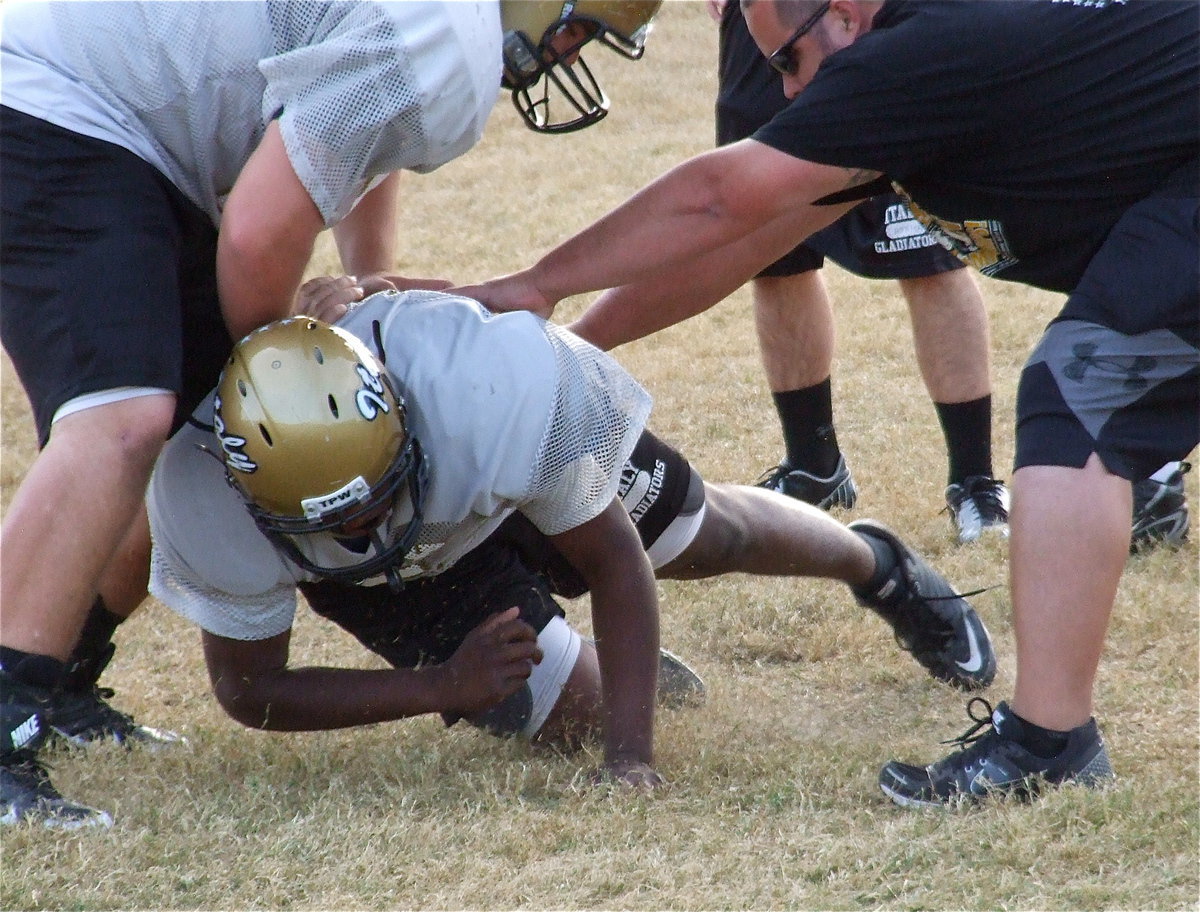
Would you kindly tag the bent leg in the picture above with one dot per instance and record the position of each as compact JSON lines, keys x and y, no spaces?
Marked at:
{"x":125,"y":578}
{"x":578,"y":714}
{"x":78,"y":500}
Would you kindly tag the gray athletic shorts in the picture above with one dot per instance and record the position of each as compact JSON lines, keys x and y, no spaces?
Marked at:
{"x":1117,"y":372}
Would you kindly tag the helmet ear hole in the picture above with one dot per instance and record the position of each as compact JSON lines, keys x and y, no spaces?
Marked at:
{"x":318,"y":355}
{"x":241,"y":388}
{"x":266,"y":435}
{"x":333,"y":406}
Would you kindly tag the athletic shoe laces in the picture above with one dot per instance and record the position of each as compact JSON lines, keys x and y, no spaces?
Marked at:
{"x":985,"y":495}
{"x":972,"y":734}
{"x":770,"y":478}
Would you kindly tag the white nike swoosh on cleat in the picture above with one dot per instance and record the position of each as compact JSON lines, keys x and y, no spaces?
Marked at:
{"x":975,"y":662}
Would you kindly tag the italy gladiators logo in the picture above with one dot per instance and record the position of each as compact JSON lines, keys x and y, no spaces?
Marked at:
{"x":977,"y":242}
{"x":903,"y":231}
{"x":639,"y":489}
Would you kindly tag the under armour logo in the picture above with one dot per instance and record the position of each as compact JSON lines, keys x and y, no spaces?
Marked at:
{"x":1132,"y":368}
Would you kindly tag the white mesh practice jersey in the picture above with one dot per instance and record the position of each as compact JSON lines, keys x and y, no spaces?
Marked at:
{"x":360,"y":88}
{"x":512,"y":412}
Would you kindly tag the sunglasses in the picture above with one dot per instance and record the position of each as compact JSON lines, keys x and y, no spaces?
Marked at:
{"x":786,"y":61}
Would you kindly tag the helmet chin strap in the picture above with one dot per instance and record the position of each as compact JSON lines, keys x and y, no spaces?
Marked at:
{"x":390,"y":573}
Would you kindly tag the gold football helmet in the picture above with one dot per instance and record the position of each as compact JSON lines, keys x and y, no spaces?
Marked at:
{"x":533,"y":66}
{"x":315,"y":439}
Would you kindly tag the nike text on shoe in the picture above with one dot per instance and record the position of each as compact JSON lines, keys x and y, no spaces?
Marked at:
{"x":82,"y":716}
{"x":995,"y":763}
{"x":978,"y":505}
{"x":838,"y":490}
{"x":26,"y":793}
{"x":929,"y":618}
{"x":1160,"y":511}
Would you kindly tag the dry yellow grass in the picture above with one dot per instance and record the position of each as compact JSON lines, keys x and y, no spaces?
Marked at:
{"x":773,"y":802}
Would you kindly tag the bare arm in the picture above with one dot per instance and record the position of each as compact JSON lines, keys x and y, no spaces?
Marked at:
{"x":631,"y":312}
{"x":366,"y":237}
{"x":266,"y":238}
{"x":366,"y":241}
{"x":255,"y":685}
{"x":609,"y":555}
{"x":704,"y":206}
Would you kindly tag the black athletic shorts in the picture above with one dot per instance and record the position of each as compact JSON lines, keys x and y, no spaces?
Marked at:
{"x":1117,"y":372}
{"x":516,"y":565}
{"x":878,"y":239}
{"x":107,"y":272}
{"x":429,"y":618}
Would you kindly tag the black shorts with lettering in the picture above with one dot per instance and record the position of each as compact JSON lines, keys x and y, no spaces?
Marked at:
{"x":107,"y":272}
{"x":657,"y":485}
{"x":516,"y":565}
{"x":1117,"y":372}
{"x":879,"y":239}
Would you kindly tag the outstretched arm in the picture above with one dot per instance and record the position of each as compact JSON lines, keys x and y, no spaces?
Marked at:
{"x":705,"y":206}
{"x":631,"y":312}
{"x":255,"y":685}
{"x":608,"y":554}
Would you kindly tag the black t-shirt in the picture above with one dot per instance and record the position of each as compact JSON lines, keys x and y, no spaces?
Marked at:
{"x":1021,"y":131}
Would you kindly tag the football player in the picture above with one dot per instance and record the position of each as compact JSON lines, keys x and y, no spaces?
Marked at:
{"x":429,"y":475}
{"x":166,"y":170}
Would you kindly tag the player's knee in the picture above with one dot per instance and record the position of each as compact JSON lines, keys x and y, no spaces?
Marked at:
{"x":133,"y":430}
{"x":240,"y":703}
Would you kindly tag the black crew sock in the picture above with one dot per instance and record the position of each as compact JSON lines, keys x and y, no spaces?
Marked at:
{"x":1041,"y":742}
{"x":95,"y":648}
{"x":967,"y":427}
{"x":32,"y":668}
{"x":806,"y":418}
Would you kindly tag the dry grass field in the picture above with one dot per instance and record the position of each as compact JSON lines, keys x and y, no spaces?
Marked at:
{"x":772,"y":802}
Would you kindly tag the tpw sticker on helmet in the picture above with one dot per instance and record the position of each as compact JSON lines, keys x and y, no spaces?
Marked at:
{"x":369,"y":399}
{"x":355,"y":492}
{"x":231,"y":444}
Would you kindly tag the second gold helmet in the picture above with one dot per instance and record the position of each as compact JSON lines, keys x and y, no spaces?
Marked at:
{"x":553,"y":92}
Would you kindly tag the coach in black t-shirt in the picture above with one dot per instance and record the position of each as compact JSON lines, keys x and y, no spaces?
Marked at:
{"x":1051,"y":143}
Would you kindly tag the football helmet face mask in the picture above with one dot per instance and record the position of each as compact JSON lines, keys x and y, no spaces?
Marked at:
{"x":315,"y":439}
{"x":552,"y":89}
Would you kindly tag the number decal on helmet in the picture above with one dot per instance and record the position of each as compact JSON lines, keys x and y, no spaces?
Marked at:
{"x":369,"y":399}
